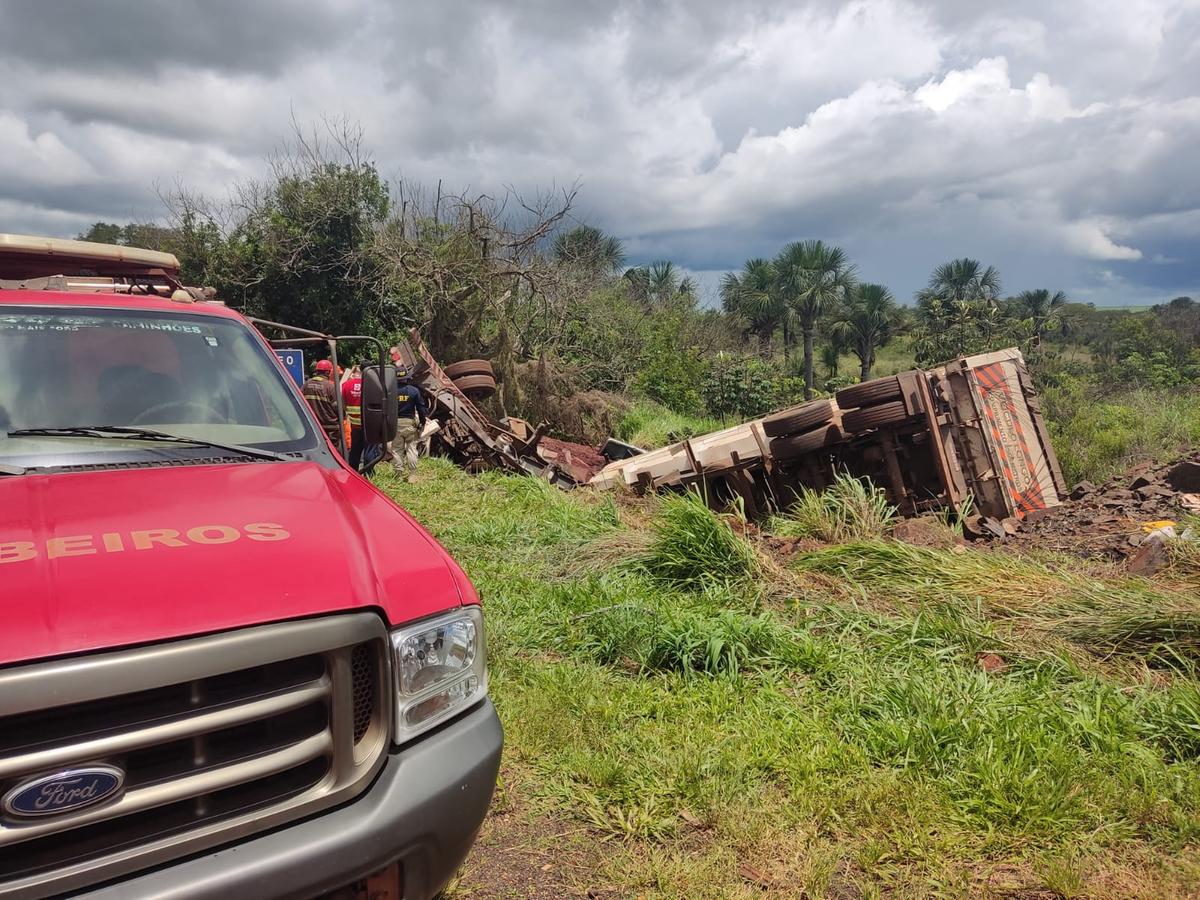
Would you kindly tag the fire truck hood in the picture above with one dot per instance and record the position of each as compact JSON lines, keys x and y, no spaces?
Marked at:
{"x":97,"y":560}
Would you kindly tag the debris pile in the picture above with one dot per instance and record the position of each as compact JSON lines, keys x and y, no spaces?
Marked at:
{"x":1113,"y":521}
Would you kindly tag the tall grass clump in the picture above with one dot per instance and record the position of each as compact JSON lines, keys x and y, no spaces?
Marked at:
{"x":1111,"y":616}
{"x":649,"y":425}
{"x":852,"y":509}
{"x":693,"y":547}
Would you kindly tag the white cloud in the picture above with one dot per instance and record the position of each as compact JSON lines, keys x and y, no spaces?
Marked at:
{"x":1048,"y":137}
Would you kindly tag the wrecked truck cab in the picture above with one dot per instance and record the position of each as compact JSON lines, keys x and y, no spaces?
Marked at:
{"x":230,"y":665}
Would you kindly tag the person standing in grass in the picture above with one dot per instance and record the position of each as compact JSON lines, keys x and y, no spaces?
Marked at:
{"x":411,"y":420}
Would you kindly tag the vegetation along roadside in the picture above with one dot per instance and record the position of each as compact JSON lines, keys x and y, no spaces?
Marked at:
{"x":700,"y":715}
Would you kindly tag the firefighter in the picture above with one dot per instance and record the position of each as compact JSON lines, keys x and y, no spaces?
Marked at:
{"x":411,"y":419}
{"x":352,"y":400}
{"x":321,"y":394}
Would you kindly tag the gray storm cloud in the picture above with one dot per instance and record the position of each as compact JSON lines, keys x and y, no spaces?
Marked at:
{"x":1056,"y":141}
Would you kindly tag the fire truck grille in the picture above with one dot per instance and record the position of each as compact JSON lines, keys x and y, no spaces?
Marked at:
{"x":217,"y":737}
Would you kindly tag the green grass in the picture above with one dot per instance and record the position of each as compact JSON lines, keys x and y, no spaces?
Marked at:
{"x":841,"y":741}
{"x":650,"y":425}
{"x":851,"y":509}
{"x":1099,"y":436}
{"x":893,"y":359}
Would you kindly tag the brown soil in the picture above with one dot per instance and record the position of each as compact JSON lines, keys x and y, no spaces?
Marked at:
{"x":521,"y":853}
{"x":1106,"y":521}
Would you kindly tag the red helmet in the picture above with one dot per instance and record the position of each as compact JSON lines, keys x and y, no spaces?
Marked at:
{"x":324,"y":365}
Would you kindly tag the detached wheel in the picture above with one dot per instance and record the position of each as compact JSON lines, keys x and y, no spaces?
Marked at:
{"x":477,"y":387}
{"x":880,"y":416}
{"x":798,"y":419}
{"x":869,"y":393}
{"x":785,"y":448}
{"x":467,"y":367}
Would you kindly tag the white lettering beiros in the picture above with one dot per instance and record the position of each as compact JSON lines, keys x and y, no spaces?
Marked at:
{"x":142,"y":539}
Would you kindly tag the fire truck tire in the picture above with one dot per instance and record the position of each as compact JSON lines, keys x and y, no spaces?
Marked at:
{"x":798,"y":419}
{"x":879,"y":416}
{"x":784,"y":448}
{"x":457,"y":370}
{"x":476,"y":385}
{"x":869,"y":393}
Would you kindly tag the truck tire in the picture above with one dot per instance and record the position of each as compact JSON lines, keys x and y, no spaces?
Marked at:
{"x":798,"y":419}
{"x":476,"y":386}
{"x":869,"y":393}
{"x":784,"y":448}
{"x":457,"y":370}
{"x":879,"y":416}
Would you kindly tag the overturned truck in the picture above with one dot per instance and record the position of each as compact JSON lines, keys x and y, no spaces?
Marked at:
{"x":968,"y":435}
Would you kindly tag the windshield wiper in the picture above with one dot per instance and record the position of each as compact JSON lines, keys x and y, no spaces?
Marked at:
{"x":128,"y":433}
{"x":12,"y":470}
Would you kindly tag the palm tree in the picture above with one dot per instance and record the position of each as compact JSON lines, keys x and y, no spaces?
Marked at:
{"x":1041,"y":309}
{"x":659,"y":283}
{"x":866,"y":321}
{"x":965,"y":280}
{"x":589,"y":247}
{"x":752,"y":295}
{"x":958,"y":311}
{"x":811,"y":277}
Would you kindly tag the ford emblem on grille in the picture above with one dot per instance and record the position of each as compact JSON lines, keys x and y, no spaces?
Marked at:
{"x":63,"y":792}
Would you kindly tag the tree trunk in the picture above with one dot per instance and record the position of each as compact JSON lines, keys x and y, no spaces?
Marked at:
{"x":808,"y":362}
{"x":864,"y":372}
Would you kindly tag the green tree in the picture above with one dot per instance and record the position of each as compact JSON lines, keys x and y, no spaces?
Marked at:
{"x":866,"y":320}
{"x":103,"y":233}
{"x":812,"y":276}
{"x":958,"y":312}
{"x":659,"y":284}
{"x":1042,"y":311}
{"x":590,"y":248}
{"x":753,"y":296}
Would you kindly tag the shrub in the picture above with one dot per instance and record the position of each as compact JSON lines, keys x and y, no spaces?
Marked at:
{"x":648,"y":425}
{"x":694,"y":547}
{"x":851,"y":509}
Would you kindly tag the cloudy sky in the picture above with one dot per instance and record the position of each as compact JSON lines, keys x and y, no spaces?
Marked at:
{"x":1059,"y":141}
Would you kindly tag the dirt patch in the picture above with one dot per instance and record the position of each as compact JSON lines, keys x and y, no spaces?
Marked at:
{"x":1107,"y":521}
{"x":521,"y":853}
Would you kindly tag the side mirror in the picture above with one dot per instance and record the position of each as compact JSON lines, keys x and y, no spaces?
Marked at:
{"x":380,"y":405}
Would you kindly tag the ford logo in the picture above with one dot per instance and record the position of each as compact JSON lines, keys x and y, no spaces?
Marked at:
{"x":63,"y":792}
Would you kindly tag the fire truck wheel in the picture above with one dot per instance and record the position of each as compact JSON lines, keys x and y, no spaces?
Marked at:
{"x":457,"y":370}
{"x":869,"y":393}
{"x":798,"y":419}
{"x":879,"y":416}
{"x":784,"y":448}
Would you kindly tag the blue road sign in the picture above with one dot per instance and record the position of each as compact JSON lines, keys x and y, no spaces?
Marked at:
{"x":293,"y":361}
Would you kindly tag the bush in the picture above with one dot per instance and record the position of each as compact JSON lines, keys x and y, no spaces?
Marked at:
{"x":694,"y":547}
{"x":1097,"y":433}
{"x":649,"y":425}
{"x":851,"y":509}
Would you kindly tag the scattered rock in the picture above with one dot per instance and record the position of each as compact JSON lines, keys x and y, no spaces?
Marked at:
{"x":992,"y":663}
{"x":1010,"y":525}
{"x":1151,"y":556}
{"x":993,"y":527}
{"x":1036,"y":515}
{"x":1140,"y":482}
{"x":1081,"y":490}
{"x":1184,"y":477}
